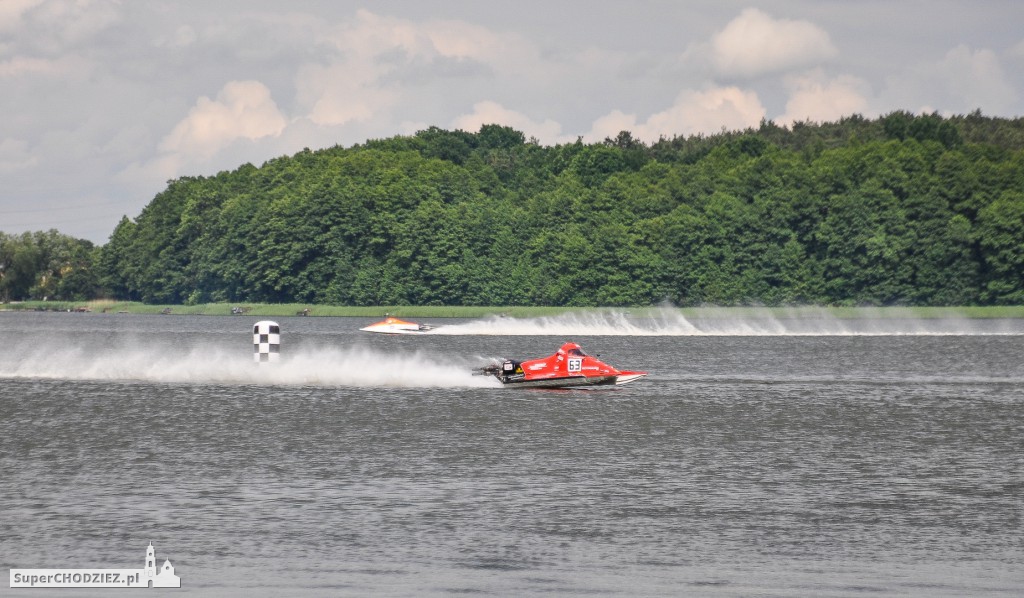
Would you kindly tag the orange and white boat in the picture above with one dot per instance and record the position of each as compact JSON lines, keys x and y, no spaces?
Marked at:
{"x":391,"y":325}
{"x":567,"y":368}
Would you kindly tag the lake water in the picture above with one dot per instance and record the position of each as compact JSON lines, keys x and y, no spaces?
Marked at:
{"x":760,"y":457}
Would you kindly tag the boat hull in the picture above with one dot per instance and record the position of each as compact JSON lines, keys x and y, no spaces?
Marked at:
{"x":566,"y":382}
{"x":627,"y":377}
{"x":393,"y":329}
{"x":573,"y":381}
{"x":395,"y":326}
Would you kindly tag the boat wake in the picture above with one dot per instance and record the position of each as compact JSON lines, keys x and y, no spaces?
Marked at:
{"x":731,"y":322}
{"x":354,"y":367}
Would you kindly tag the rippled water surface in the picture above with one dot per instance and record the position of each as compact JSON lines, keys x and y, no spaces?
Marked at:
{"x":759,"y":458}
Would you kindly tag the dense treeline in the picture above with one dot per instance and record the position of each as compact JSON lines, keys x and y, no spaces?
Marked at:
{"x":903,"y":209}
{"x":47,"y":265}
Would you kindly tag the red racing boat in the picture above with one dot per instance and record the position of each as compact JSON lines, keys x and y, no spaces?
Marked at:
{"x":568,"y":367}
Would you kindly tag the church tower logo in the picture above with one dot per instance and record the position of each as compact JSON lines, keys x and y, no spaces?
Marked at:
{"x":162,"y":578}
{"x":150,"y":576}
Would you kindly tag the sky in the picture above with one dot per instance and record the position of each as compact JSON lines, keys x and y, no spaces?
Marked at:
{"x":102,"y":102}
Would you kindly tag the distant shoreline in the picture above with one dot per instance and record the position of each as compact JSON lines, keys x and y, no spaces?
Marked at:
{"x":437,"y":311}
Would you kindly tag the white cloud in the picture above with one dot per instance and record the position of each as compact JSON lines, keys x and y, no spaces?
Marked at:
{"x":488,"y":112}
{"x":505,"y":52}
{"x":372,"y":35}
{"x":612,"y":124}
{"x":754,"y":43}
{"x":242,"y":110}
{"x":373,"y":63}
{"x":69,"y":67}
{"x":977,"y":77}
{"x":343,"y":92}
{"x":962,"y":80}
{"x":348,"y":85}
{"x":817,"y":99}
{"x":456,"y":39}
{"x":21,"y":65}
{"x":694,"y":112}
{"x":242,"y":113}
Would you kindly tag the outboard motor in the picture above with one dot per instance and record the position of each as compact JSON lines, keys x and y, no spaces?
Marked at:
{"x":502,"y":371}
{"x":511,"y":368}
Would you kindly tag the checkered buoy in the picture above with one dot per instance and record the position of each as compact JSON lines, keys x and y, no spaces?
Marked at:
{"x":266,"y":341}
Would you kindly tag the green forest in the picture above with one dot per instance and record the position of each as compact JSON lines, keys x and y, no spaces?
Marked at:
{"x":916,"y":210}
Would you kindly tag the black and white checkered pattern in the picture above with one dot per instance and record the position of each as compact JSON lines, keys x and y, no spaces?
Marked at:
{"x":266,"y":341}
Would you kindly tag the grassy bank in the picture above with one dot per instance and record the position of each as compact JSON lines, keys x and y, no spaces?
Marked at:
{"x":436,"y":311}
{"x":284,"y":309}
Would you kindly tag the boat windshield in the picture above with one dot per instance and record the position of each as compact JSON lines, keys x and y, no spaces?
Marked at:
{"x":577,"y":352}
